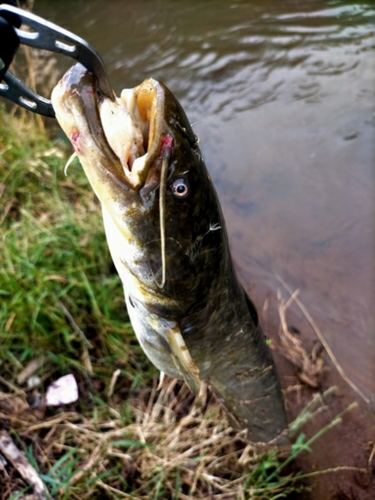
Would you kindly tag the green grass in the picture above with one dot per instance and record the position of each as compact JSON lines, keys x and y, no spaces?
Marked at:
{"x":62,"y":308}
{"x":54,"y":263}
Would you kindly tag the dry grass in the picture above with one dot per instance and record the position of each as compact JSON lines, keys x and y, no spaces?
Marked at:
{"x":174,"y":448}
{"x":309,"y":366}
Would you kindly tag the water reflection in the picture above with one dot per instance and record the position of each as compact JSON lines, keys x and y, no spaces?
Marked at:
{"x":282,"y":96}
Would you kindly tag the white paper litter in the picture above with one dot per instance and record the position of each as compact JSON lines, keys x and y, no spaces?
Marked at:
{"x":63,"y":391}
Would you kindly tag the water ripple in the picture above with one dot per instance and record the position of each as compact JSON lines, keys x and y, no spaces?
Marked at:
{"x":240,"y":65}
{"x":238,"y":58}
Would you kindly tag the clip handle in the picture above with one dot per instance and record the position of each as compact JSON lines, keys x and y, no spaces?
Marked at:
{"x":21,"y":94}
{"x":49,"y":36}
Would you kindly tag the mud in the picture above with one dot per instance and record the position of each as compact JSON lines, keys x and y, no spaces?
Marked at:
{"x":348,"y":444}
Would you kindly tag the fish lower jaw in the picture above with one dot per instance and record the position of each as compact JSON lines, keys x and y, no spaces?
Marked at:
{"x":138,"y":171}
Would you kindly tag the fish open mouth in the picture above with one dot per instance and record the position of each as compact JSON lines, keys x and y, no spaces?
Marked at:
{"x":123,"y":135}
{"x":133,"y":126}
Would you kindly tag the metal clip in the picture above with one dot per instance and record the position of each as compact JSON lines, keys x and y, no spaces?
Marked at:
{"x":49,"y":36}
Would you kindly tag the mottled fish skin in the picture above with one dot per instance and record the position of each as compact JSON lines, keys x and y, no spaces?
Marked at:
{"x":199,"y":325}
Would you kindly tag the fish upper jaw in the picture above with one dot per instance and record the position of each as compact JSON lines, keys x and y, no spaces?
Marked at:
{"x":123,"y":137}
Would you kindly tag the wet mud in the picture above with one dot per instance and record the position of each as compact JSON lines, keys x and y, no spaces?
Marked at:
{"x":349,"y":444}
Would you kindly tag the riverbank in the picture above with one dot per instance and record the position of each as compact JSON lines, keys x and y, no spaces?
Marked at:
{"x":62,"y":312}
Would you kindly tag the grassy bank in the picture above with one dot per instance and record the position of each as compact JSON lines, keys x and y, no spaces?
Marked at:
{"x":61,"y":301}
{"x":62,"y":311}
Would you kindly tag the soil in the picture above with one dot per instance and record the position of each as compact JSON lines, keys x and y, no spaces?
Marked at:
{"x":349,"y":444}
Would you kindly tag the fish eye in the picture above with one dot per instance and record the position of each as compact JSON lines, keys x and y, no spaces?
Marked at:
{"x":180,"y":188}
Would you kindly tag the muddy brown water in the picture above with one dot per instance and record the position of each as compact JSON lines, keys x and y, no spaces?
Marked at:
{"x":282,"y":97}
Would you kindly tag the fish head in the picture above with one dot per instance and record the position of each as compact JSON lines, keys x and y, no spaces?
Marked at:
{"x":162,"y":217}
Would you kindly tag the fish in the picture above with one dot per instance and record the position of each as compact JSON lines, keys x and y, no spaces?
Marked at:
{"x":168,"y":240}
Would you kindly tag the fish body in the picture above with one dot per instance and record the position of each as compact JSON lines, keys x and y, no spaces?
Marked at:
{"x":167,"y":238}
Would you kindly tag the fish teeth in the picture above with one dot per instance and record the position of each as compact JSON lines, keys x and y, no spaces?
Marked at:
{"x":122,"y":133}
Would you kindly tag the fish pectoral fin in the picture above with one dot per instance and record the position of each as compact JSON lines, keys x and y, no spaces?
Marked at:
{"x":190,"y":379}
{"x":183,"y":361}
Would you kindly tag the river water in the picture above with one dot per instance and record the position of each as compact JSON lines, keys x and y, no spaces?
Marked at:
{"x":282,"y":97}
